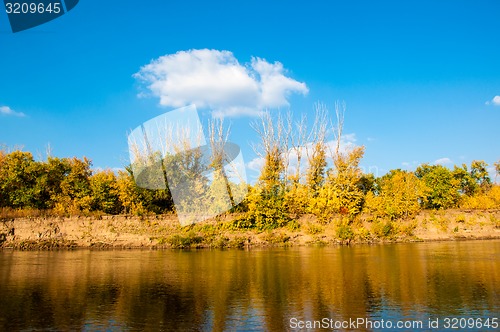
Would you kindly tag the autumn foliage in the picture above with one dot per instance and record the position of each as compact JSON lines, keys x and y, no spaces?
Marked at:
{"x":304,"y":172}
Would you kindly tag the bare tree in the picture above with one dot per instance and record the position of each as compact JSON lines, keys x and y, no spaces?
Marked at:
{"x":315,"y":149}
{"x":271,"y":149}
{"x":299,"y":143}
{"x":339,"y":112}
{"x":497,"y":170}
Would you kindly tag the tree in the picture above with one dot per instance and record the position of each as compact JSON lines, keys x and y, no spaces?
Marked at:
{"x":400,"y":195}
{"x":75,"y":195}
{"x":341,"y":192}
{"x":316,"y":152}
{"x":266,"y":208}
{"x":312,"y":144}
{"x":129,"y":194}
{"x":467,"y":184}
{"x":479,"y":172}
{"x":443,"y":186}
{"x":105,"y":192}
{"x":497,"y":169}
{"x":18,"y":174}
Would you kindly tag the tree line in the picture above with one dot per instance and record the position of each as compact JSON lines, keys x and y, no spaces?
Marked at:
{"x":304,"y":172}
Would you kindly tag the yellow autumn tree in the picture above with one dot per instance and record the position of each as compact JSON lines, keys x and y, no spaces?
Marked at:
{"x":341,"y":192}
{"x":400,"y":195}
{"x":266,"y":208}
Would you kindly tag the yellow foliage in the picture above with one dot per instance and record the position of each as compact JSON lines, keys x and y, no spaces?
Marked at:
{"x":487,"y":200}
{"x":297,"y":199}
{"x":340,"y":193}
{"x":128,"y":193}
{"x":400,"y":196}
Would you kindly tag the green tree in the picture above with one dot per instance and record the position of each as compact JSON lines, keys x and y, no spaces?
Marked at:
{"x":443,"y":187}
{"x":467,"y":184}
{"x":18,"y":174}
{"x":75,"y":195}
{"x":479,"y":171}
{"x":105,"y":192}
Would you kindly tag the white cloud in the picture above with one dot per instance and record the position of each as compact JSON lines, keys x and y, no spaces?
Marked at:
{"x":216,"y":80}
{"x":495,"y":101}
{"x":443,"y":161}
{"x":256,"y":164}
{"x":6,"y":110}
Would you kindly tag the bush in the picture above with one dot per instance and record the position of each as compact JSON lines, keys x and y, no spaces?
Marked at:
{"x":483,"y":200}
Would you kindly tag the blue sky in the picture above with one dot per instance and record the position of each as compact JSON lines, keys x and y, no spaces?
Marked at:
{"x":419,"y":78}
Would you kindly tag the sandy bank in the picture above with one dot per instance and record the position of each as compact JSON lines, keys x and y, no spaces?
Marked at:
{"x":165,"y":232}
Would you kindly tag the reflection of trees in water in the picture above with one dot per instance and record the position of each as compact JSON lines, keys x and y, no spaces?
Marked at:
{"x":224,"y":290}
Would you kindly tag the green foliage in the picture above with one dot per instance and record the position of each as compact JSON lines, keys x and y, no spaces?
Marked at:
{"x":385,"y":229}
{"x":479,"y":172}
{"x":314,"y":229}
{"x":467,"y":183}
{"x":345,"y":232}
{"x":105,"y":195}
{"x":18,"y":174}
{"x":75,"y":195}
{"x":443,"y":187}
{"x":188,"y":240}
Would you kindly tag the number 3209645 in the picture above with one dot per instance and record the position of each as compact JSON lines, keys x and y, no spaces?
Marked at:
{"x":32,"y":8}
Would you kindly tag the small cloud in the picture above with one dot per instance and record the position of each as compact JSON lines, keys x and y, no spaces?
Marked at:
{"x":495,"y":101}
{"x":7,"y":111}
{"x":256,"y":164}
{"x":409,"y":165}
{"x":443,"y":161}
{"x":216,"y":80}
{"x":370,"y":139}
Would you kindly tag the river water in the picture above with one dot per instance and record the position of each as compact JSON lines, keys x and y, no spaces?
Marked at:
{"x":261,"y":289}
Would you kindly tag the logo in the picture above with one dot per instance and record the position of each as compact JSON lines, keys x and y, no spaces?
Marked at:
{"x":171,"y":152}
{"x":25,"y":14}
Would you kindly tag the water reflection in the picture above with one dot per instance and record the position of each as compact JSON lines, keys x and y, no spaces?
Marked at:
{"x":258,"y":289}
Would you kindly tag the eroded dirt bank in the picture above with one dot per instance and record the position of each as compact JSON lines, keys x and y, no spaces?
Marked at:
{"x":165,"y":232}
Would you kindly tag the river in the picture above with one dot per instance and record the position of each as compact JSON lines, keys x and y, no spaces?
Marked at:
{"x":258,"y":289}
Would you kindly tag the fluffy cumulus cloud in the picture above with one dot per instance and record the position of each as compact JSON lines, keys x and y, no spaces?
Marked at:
{"x":6,"y":110}
{"x":443,"y":161}
{"x":495,"y":101}
{"x":216,"y":80}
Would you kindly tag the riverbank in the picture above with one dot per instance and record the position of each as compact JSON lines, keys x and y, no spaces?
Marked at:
{"x":164,"y":231}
